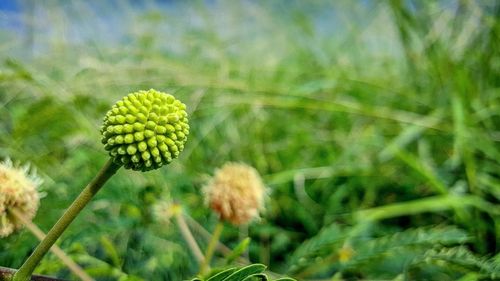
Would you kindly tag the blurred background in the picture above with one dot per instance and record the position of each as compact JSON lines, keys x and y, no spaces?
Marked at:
{"x":374,"y":124}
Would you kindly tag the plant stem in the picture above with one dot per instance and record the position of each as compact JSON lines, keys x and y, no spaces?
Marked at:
{"x":211,"y":247}
{"x":80,"y":202}
{"x":221,"y":247}
{"x":7,"y":273}
{"x":206,"y":235}
{"x":75,"y":268}
{"x":188,"y":236}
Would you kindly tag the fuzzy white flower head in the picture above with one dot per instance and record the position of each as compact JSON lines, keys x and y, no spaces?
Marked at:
{"x":235,"y":193}
{"x":18,"y":190}
{"x":163,"y":211}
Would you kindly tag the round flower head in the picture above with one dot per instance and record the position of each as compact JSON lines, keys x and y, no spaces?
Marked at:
{"x":163,"y":211}
{"x":18,"y":190}
{"x":145,"y":130}
{"x":235,"y":193}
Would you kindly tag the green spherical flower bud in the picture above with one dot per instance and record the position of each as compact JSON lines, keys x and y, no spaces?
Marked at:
{"x":145,"y":130}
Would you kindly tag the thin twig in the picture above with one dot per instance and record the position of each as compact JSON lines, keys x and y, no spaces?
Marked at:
{"x":188,"y":237}
{"x":206,"y":235}
{"x":7,"y":273}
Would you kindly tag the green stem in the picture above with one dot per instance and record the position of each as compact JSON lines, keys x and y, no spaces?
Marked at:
{"x":80,"y":202}
{"x":75,"y":268}
{"x":211,"y":247}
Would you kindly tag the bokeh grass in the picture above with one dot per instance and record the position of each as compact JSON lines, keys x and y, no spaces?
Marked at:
{"x":375,"y":124}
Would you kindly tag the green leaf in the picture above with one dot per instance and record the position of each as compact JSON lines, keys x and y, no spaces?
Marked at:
{"x":238,"y":250}
{"x":428,"y":204}
{"x":325,"y":239}
{"x":463,"y":257}
{"x":110,"y":250}
{"x":222,"y":275}
{"x":246,"y":271}
{"x":259,"y":276}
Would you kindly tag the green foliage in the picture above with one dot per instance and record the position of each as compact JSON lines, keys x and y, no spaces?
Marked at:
{"x":350,"y":251}
{"x":249,"y":272}
{"x":375,"y":126}
{"x":462,"y":259}
{"x":238,"y":251}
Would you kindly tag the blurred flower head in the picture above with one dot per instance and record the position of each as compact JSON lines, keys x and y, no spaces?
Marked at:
{"x":18,"y":190}
{"x":145,"y":130}
{"x":165,"y":210}
{"x":235,"y":193}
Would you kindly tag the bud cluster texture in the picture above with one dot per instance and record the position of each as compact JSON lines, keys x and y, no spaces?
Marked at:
{"x":145,"y":130}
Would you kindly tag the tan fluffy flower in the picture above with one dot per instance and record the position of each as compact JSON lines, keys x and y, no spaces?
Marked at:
{"x":18,"y":189}
{"x":235,"y":193}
